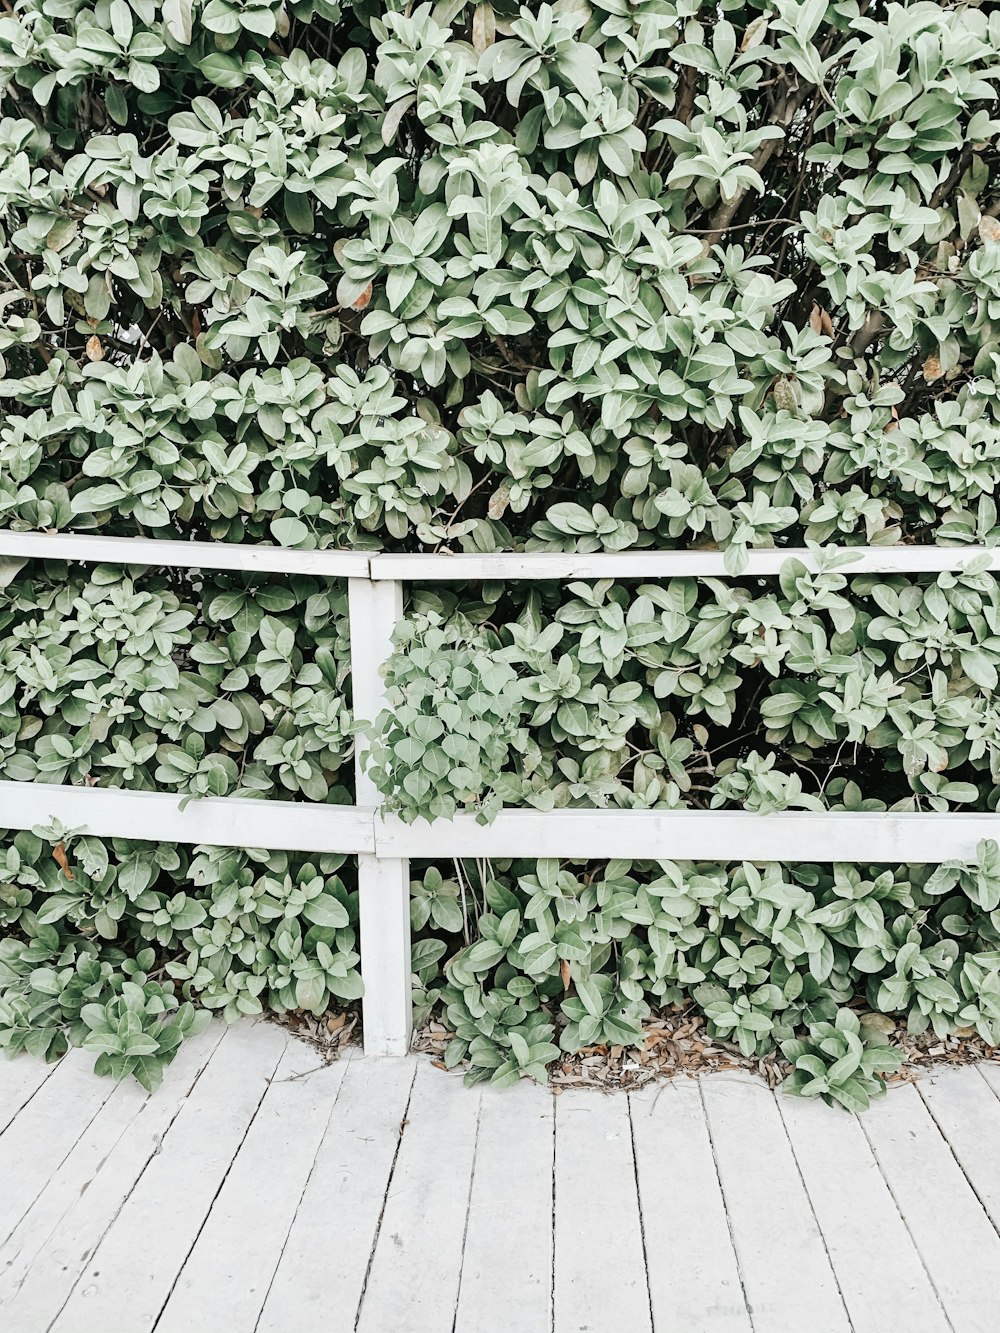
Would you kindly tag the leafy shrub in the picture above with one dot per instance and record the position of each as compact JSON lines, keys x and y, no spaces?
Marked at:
{"x":864,"y":693}
{"x":551,"y":956}
{"x":571,"y":277}
{"x":841,"y":1062}
{"x":211,"y":686}
{"x":110,"y":944}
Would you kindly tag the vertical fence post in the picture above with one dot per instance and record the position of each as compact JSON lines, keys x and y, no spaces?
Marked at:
{"x":383,"y":883}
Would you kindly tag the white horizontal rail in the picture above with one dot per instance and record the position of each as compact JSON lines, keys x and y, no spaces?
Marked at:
{"x":670,"y":564}
{"x":182,"y":554}
{"x":694,"y":835}
{"x":441,"y":567}
{"x":592,"y":835}
{"x":225,"y":821}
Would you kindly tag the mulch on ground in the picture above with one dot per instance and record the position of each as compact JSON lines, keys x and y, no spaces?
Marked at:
{"x":676,"y":1043}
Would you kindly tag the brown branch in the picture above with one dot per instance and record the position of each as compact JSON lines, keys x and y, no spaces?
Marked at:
{"x":726,"y":209}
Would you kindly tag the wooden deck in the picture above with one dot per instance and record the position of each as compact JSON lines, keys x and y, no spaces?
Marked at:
{"x":257,"y":1193}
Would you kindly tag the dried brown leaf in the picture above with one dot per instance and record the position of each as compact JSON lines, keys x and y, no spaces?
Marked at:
{"x":484,"y":27}
{"x":499,"y":501}
{"x":755,"y":33}
{"x":362,"y":299}
{"x":62,"y":860}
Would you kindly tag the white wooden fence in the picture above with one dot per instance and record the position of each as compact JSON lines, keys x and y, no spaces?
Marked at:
{"x":384,"y":845}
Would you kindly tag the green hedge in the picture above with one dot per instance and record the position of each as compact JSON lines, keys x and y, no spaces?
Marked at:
{"x":210,"y":685}
{"x":105,"y":943}
{"x":588,"y":276}
{"x":580,"y":955}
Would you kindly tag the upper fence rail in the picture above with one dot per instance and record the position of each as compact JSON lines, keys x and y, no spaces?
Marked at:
{"x":149,"y":551}
{"x":450,"y":567}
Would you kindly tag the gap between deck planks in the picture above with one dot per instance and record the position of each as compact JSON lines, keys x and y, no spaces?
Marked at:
{"x":272,"y":1194}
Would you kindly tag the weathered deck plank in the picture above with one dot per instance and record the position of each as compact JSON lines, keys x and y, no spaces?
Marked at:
{"x":139,"y":1257}
{"x":884,"y":1285}
{"x":258,"y":1192}
{"x":45,"y":1133}
{"x":600,"y":1271}
{"x":320,"y":1277}
{"x":508,"y":1267}
{"x":417,"y":1262}
{"x":694,"y":1279}
{"x":226,"y":1277}
{"x":950,"y":1228}
{"x":20,"y":1078}
{"x":789,"y":1280}
{"x":967,"y":1113}
{"x":50,"y":1248}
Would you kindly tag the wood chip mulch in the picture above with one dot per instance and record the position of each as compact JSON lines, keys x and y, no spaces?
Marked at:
{"x":676,"y":1044}
{"x":329,"y":1034}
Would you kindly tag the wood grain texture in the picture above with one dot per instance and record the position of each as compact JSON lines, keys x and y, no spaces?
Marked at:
{"x":339,"y":1213}
{"x":966,"y":1111}
{"x":600,"y":1265}
{"x":225,"y":1278}
{"x":20,"y":1078}
{"x":789,"y":1280}
{"x":384,"y":1195}
{"x":50,"y":1248}
{"x":884,"y":1285}
{"x":508,"y":1267}
{"x":417,"y":1263}
{"x":138,"y":1259}
{"x":694,"y":1279}
{"x":956,"y":1240}
{"x":45,"y":1133}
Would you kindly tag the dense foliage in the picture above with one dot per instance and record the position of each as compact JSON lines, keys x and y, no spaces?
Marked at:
{"x":600,"y":274}
{"x":571,"y":276}
{"x":809,"y":691}
{"x":552,"y":955}
{"x":213,"y":686}
{"x":105,"y":944}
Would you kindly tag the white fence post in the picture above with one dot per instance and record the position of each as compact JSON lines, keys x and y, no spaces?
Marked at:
{"x":383,"y":883}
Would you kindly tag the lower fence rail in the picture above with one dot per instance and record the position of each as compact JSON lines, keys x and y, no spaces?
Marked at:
{"x":384,"y":846}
